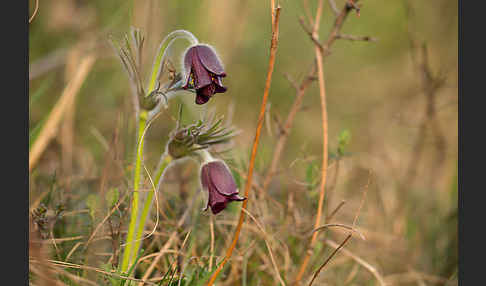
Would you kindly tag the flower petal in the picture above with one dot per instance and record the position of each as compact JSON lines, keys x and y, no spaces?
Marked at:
{"x":193,"y":65}
{"x":217,"y":202}
{"x":219,"y":85}
{"x":204,"y":94}
{"x":201,"y":75}
{"x":210,"y":60}
{"x":222,"y":178}
{"x":190,"y":54}
{"x":205,"y":182}
{"x":236,"y":197}
{"x":201,"y":98}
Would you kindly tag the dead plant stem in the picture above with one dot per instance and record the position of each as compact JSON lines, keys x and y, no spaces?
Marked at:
{"x":275,"y":12}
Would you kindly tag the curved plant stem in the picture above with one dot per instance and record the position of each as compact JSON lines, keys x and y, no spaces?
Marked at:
{"x":273,"y":50}
{"x":35,"y":11}
{"x":158,"y":66}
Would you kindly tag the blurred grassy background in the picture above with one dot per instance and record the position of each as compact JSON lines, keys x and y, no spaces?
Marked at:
{"x":374,"y":90}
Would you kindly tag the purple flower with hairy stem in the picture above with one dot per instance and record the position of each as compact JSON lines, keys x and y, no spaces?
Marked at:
{"x":203,"y":72}
{"x":216,"y":178}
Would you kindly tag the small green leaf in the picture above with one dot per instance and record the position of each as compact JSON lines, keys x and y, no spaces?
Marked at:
{"x":344,"y":139}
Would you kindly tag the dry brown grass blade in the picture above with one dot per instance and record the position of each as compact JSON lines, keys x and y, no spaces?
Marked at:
{"x":273,"y":49}
{"x":285,"y":130}
{"x":166,"y":246}
{"x":329,"y":258}
{"x":360,"y":261}
{"x":106,"y":218}
{"x":339,"y":247}
{"x":90,"y":268}
{"x":321,"y":51}
{"x":322,"y":93}
{"x":35,"y":11}
{"x":351,"y":228}
{"x":266,"y":238}
{"x":211,"y":249}
{"x":50,"y":129}
{"x":45,"y":276}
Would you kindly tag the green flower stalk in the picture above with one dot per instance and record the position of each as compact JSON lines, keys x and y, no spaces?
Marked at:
{"x":147,"y":105}
{"x":148,"y":102}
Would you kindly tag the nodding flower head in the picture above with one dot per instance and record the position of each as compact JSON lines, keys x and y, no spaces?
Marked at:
{"x":203,"y":72}
{"x":217,"y":179}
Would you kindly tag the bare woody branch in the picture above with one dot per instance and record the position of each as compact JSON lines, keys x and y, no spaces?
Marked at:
{"x":356,"y":38}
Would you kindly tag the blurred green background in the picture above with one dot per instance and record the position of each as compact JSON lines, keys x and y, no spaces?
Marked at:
{"x":375,"y":90}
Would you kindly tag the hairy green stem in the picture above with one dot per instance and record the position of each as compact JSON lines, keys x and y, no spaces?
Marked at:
{"x":139,"y":212}
{"x":142,"y":221}
{"x":158,"y":66}
{"x":128,"y":253}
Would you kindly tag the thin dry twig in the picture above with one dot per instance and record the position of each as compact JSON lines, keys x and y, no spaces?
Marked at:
{"x":166,"y":246}
{"x":265,"y":238}
{"x":84,"y":267}
{"x":273,"y":49}
{"x":35,"y":11}
{"x":363,"y":197}
{"x":285,"y":130}
{"x":333,"y":213}
{"x":105,"y":219}
{"x":283,"y":135}
{"x":334,"y":7}
{"x":356,"y":38}
{"x":360,"y":261}
{"x":351,"y":228}
{"x":211,"y":249}
{"x":319,"y":51}
{"x":322,"y":93}
{"x":329,"y":258}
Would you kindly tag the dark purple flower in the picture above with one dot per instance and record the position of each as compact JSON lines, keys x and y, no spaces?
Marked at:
{"x":216,"y":178}
{"x":203,"y":72}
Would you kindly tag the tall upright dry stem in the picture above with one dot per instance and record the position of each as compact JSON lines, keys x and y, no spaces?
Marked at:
{"x":273,"y":49}
{"x":322,"y":93}
{"x":319,"y":50}
{"x":282,"y":139}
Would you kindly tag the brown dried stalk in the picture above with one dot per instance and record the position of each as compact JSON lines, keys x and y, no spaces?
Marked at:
{"x":322,"y":91}
{"x":365,"y":191}
{"x":329,"y":258}
{"x":320,"y":50}
{"x":360,"y":261}
{"x":273,"y":49}
{"x":285,"y":131}
{"x":35,"y":11}
{"x":300,"y":89}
